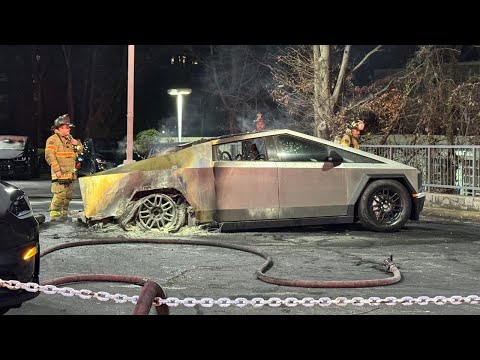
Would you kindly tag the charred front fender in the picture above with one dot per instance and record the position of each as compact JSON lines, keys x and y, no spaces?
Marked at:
{"x":107,"y":194}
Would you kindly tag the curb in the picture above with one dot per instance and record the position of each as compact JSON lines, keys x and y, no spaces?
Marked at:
{"x":448,"y":214}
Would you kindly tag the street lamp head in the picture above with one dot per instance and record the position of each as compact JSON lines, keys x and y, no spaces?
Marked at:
{"x":179,"y":94}
{"x":182,"y":91}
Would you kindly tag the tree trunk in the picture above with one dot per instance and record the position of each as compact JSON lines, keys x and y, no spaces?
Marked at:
{"x":119,"y":114}
{"x":90,"y":107}
{"x":67,"y":53}
{"x":322,"y":102}
{"x":36,"y":94}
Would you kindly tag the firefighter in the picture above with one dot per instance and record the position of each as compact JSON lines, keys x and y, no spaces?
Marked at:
{"x":61,"y":151}
{"x":259,"y":123}
{"x":352,"y":134}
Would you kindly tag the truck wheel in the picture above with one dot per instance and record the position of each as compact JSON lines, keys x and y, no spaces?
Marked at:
{"x":385,"y":205}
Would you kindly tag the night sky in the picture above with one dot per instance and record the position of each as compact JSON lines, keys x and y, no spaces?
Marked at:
{"x":34,"y":87}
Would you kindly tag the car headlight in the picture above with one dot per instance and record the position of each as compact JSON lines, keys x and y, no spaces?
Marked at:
{"x":23,"y":158}
{"x":21,"y":207}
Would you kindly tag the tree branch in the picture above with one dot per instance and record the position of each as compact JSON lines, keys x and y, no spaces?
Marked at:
{"x":341,"y":73}
{"x":365,"y":58}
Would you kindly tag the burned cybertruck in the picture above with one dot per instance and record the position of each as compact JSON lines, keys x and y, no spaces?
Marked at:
{"x":255,"y":180}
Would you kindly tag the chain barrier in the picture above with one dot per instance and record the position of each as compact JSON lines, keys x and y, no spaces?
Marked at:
{"x":242,"y":302}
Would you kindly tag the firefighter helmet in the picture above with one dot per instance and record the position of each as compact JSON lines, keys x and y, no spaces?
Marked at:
{"x":357,"y":124}
{"x":62,"y":120}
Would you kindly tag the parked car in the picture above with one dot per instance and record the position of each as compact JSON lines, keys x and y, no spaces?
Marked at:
{"x":257,"y":180}
{"x":19,"y":245}
{"x":102,"y":154}
{"x":18,"y":157}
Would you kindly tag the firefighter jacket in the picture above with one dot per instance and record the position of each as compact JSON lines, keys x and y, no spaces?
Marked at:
{"x":61,"y":155}
{"x":349,"y":140}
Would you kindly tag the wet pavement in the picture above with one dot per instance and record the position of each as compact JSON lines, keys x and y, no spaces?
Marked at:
{"x":436,"y":257}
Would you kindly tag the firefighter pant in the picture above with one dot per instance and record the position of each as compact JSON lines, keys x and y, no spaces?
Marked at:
{"x":62,"y":195}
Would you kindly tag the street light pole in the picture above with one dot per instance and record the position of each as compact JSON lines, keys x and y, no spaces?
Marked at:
{"x":131,"y":67}
{"x":179,"y":94}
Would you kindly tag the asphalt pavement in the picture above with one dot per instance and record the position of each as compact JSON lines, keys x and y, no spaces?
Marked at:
{"x":437,"y":256}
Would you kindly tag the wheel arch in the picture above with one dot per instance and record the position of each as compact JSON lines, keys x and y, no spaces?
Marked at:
{"x":172,"y":192}
{"x":369,"y":178}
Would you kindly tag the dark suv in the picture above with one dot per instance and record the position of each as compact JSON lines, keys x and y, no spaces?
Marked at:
{"x":101,"y":154}
{"x":19,"y":245}
{"x":18,"y":157}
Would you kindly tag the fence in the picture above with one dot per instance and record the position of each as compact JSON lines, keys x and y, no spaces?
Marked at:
{"x":454,"y":167}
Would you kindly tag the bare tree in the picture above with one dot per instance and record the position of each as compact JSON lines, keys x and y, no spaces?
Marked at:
{"x":67,"y":53}
{"x":309,"y":81}
{"x":107,"y":77}
{"x":432,"y":97}
{"x":235,"y":82}
{"x":38,"y":75}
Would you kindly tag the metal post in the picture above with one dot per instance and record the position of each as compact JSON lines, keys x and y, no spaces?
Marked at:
{"x":474,"y":166}
{"x":428,"y":169}
{"x":179,"y":112}
{"x":131,"y":68}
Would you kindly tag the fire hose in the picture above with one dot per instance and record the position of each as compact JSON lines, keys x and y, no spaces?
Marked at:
{"x":150,"y":289}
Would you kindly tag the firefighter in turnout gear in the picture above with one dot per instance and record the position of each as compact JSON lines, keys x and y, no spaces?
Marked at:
{"x":259,"y":122}
{"x":352,"y":134}
{"x":61,"y":151}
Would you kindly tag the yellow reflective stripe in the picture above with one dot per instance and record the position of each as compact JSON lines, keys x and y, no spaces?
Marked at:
{"x":51,"y":147}
{"x":65,"y":154}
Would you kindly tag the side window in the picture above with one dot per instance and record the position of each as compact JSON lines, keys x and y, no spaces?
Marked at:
{"x":350,"y":157}
{"x":290,"y":148}
{"x":227,"y":152}
{"x":254,"y":149}
{"x":246,"y":150}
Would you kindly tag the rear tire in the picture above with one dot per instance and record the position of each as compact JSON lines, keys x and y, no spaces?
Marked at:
{"x":385,"y":206}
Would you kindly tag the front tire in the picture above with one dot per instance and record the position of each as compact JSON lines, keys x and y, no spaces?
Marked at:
{"x":385,"y":206}
{"x":160,"y":211}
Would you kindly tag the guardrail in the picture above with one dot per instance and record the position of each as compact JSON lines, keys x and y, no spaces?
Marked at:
{"x":453,"y":169}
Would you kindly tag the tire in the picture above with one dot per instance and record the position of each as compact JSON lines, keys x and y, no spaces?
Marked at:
{"x":384,"y":206}
{"x":36,"y":271}
{"x":160,"y":211}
